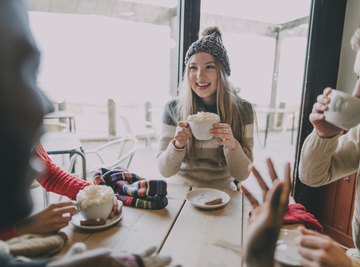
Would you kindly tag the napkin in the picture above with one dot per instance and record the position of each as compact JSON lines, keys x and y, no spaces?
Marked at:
{"x":132,"y":189}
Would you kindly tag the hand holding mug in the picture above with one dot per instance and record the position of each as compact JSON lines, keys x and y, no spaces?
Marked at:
{"x":182,"y":134}
{"x":49,"y":220}
{"x":225,"y":136}
{"x":317,"y":117}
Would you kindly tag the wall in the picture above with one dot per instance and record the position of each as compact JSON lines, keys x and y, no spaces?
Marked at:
{"x":346,"y":76}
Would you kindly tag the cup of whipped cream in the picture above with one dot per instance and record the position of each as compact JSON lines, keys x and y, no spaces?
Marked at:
{"x":201,"y":123}
{"x":95,"y":202}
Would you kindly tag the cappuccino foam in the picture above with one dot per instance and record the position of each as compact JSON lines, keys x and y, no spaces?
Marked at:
{"x":94,"y":194}
{"x":202,"y":116}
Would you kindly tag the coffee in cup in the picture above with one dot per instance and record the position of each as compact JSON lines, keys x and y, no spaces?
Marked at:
{"x":95,"y":202}
{"x":343,"y":110}
{"x":201,"y":123}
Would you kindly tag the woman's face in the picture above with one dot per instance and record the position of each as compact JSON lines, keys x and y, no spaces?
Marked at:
{"x":203,"y":76}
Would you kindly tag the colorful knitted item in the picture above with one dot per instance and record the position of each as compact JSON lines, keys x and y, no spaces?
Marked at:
{"x":132,"y":189}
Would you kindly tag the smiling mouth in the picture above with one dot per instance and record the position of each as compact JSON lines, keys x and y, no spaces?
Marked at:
{"x":203,"y":85}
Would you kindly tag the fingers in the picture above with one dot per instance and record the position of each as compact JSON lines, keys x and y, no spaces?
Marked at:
{"x":182,"y":124}
{"x":287,"y":184}
{"x":260,"y":181}
{"x":322,"y":102}
{"x":222,"y":131}
{"x":59,"y":214}
{"x":182,"y":134}
{"x":271,"y":169}
{"x":274,"y":199}
{"x":116,"y":209}
{"x":253,"y":201}
{"x":61,"y":204}
{"x":327,"y":91}
{"x":305,"y":231}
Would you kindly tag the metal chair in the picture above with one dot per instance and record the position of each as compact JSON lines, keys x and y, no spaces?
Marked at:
{"x":118,"y":152}
{"x":146,"y":132}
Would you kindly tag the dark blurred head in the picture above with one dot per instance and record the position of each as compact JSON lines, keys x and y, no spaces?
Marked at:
{"x":22,"y":108}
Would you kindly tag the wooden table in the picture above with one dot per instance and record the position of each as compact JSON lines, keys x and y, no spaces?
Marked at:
{"x":207,"y":238}
{"x":192,"y":237}
{"x":139,"y":228}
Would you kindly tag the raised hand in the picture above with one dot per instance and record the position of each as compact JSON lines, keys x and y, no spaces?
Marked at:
{"x":266,"y":219}
{"x":317,"y":117}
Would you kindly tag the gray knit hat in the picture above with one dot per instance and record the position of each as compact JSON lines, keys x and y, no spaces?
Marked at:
{"x":210,"y":42}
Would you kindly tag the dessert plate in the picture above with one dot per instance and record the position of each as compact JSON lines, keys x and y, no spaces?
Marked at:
{"x":109,"y":222}
{"x":286,"y":251}
{"x":199,"y":198}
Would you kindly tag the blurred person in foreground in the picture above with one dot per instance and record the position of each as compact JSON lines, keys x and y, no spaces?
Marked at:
{"x":22,"y":108}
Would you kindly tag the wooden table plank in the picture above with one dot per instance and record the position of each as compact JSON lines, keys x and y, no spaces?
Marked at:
{"x":139,"y":228}
{"x":207,"y":237}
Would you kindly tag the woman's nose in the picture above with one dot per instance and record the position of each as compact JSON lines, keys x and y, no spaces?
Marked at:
{"x":200,"y":73}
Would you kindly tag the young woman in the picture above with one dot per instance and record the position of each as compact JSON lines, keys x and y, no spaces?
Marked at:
{"x":206,"y":87}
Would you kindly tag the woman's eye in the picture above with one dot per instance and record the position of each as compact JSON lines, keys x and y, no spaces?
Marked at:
{"x":192,"y":68}
{"x":210,"y":66}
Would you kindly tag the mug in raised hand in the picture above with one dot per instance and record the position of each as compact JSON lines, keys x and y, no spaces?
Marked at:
{"x":343,"y":111}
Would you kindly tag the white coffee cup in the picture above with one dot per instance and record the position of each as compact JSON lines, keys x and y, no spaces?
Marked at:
{"x":344,"y":110}
{"x":201,"y":123}
{"x":95,"y":202}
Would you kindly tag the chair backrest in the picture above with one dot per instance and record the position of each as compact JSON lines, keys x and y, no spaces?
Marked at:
{"x":126,"y":125}
{"x":118,"y":152}
{"x":145,"y":132}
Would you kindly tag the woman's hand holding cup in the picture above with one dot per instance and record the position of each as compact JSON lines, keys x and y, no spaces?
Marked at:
{"x":182,"y":135}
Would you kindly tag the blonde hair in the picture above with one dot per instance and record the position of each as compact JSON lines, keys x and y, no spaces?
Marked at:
{"x":230,"y":107}
{"x":355,"y":40}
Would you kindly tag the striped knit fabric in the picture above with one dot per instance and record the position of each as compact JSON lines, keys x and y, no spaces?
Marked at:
{"x":132,"y":189}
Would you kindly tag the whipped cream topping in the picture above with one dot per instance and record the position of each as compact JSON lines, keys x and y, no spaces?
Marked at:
{"x":201,"y":116}
{"x":94,"y":194}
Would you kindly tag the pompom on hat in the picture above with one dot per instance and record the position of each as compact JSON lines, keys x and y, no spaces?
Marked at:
{"x":210,"y":42}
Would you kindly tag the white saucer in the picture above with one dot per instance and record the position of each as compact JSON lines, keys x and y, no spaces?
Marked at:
{"x":198,"y":197}
{"x":109,"y":222}
{"x":286,"y":251}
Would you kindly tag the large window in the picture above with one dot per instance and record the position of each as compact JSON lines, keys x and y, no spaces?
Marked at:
{"x":126,"y":52}
{"x":266,"y":43}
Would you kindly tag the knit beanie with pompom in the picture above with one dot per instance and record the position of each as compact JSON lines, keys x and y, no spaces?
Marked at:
{"x":210,"y":42}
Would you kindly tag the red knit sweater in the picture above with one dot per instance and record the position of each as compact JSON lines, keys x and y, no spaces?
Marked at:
{"x":54,"y":180}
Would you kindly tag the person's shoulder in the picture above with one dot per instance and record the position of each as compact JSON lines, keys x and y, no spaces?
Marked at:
{"x":170,"y":115}
{"x":247,"y":109}
{"x":244,"y":104}
{"x":172,"y":103}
